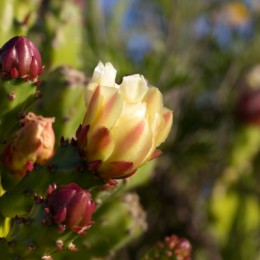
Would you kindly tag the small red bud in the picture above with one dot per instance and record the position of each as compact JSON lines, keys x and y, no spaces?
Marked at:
{"x":248,"y":107}
{"x":70,"y":206}
{"x":20,"y":58}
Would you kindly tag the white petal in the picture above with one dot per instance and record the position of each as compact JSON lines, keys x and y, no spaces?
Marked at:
{"x":105,"y":75}
{"x":133,"y":88}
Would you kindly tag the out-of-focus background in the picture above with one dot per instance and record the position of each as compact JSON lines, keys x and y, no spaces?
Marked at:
{"x":204,"y":56}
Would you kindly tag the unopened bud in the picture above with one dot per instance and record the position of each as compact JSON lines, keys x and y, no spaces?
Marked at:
{"x":33,"y":143}
{"x":72,"y":207}
{"x":20,"y":58}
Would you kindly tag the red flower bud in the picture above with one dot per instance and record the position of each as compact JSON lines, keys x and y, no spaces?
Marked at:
{"x":248,"y":108}
{"x":172,"y":247}
{"x":19,"y":58}
{"x":70,"y":206}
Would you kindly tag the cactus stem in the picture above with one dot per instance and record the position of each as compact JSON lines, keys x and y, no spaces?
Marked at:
{"x":80,"y":168}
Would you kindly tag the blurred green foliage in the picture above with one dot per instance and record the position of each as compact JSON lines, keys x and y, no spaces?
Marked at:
{"x":206,"y":186}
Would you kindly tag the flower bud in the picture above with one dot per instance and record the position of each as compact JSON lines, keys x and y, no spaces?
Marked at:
{"x":70,"y":206}
{"x":123,"y":124}
{"x":248,"y":107}
{"x":19,"y":58}
{"x":172,"y":247}
{"x":33,"y":143}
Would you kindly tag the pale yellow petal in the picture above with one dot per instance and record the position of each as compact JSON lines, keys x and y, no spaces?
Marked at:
{"x":93,"y":107}
{"x":165,"y":127}
{"x":105,"y":75}
{"x":133,"y":88}
{"x":132,"y":135}
{"x":111,"y":108}
{"x":154,"y":102}
{"x":100,"y":145}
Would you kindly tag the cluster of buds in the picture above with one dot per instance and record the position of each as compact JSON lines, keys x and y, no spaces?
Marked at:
{"x":70,"y":206}
{"x":172,"y":247}
{"x":19,"y":58}
{"x":123,"y":125}
{"x":33,"y":143}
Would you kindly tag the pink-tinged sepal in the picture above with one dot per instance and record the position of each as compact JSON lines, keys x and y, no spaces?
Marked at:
{"x":93,"y":107}
{"x":82,"y":136}
{"x":115,"y":169}
{"x":94,"y":166}
{"x":127,"y":175}
{"x":155,"y":154}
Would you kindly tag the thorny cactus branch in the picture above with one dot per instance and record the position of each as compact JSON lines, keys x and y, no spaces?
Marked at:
{"x":120,"y":132}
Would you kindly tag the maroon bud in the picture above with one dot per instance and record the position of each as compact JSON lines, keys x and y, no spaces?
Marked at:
{"x":248,"y":107}
{"x":71,"y":206}
{"x":19,"y":58}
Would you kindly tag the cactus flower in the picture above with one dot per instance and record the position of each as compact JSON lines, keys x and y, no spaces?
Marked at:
{"x":19,"y":58}
{"x":123,"y":125}
{"x":33,"y":143}
{"x":70,"y":206}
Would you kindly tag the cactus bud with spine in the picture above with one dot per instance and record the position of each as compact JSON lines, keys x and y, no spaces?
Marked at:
{"x":20,"y":58}
{"x":70,"y":206}
{"x":172,"y":247}
{"x":123,"y":124}
{"x":33,"y":143}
